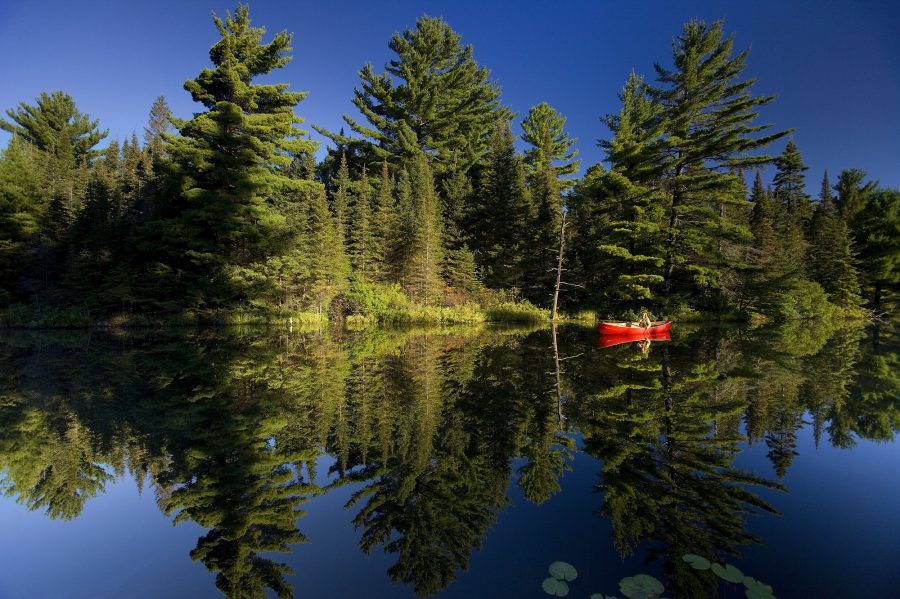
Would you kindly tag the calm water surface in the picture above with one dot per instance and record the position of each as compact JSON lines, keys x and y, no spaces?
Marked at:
{"x":454,"y":462}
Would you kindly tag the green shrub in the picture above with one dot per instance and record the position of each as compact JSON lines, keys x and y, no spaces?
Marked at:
{"x":589,"y":316}
{"x":522,"y":311}
{"x":805,"y":300}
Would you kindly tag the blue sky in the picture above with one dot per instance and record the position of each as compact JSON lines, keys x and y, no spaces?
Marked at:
{"x":835,"y":66}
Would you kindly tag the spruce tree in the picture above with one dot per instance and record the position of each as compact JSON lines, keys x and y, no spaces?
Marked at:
{"x":879,"y":251}
{"x":503,"y":211}
{"x":22,"y":208}
{"x":160,"y":123}
{"x":790,"y":184}
{"x":459,"y":261}
{"x":853,"y":193}
{"x":539,"y":257}
{"x":424,"y":260}
{"x":361,"y":239}
{"x":386,"y":228}
{"x":226,"y":165}
{"x":709,"y":132}
{"x":341,"y":198}
{"x":764,"y":281}
{"x":328,"y":265}
{"x":831,"y":256}
{"x":433,"y":97}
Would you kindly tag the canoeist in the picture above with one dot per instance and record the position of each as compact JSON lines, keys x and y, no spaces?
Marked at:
{"x":645,"y":321}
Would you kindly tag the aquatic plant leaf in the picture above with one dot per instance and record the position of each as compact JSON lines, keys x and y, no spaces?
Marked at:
{"x":555,"y":587}
{"x":728,"y":572}
{"x":697,"y":562}
{"x":757,"y":589}
{"x":563,"y":571}
{"x":642,"y":586}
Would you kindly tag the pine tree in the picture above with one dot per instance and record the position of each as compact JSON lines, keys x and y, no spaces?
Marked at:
{"x":628,"y":206}
{"x":66,"y":140}
{"x":423,"y":264}
{"x":709,"y":114}
{"x":544,"y":130}
{"x":502,"y":213}
{"x":226,"y":163}
{"x":433,"y":98}
{"x":550,"y":145}
{"x":55,"y":125}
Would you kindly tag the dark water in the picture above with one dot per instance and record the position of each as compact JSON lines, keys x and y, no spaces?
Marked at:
{"x":455,"y":462}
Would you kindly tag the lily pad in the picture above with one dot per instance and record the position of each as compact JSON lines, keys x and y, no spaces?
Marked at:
{"x":757,"y":589}
{"x":728,"y":572}
{"x":556,"y":588}
{"x":640,"y":586}
{"x":697,"y":562}
{"x":602,"y":596}
{"x":563,"y":571}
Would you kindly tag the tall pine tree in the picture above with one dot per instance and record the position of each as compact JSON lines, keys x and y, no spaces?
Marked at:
{"x":708,"y":133}
{"x":629,"y":204}
{"x":433,"y":97}
{"x":544,"y":130}
{"x":226,"y":164}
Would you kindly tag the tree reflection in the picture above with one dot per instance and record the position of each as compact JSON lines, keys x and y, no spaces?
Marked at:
{"x":430,"y":428}
{"x":661,"y":429}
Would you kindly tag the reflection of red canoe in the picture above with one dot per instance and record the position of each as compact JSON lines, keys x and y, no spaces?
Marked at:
{"x":632,"y":329}
{"x":604,"y":341}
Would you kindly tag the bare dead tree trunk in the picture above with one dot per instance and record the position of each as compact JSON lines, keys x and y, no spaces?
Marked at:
{"x":559,"y":268}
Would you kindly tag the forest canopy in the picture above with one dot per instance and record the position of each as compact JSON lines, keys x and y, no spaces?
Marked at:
{"x":424,"y":208}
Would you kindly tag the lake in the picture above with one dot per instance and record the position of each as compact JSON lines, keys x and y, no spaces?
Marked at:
{"x":455,"y":462}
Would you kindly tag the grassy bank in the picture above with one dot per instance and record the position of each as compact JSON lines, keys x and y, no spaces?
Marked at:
{"x":362,"y":306}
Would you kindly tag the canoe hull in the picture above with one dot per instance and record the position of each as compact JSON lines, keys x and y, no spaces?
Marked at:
{"x":630,"y":330}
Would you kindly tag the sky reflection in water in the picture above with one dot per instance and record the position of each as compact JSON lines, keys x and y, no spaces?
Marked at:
{"x":391,"y":464}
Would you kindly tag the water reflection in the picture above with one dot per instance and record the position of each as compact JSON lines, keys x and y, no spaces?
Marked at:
{"x":431,"y":427}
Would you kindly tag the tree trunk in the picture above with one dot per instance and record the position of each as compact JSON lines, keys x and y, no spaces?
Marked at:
{"x":559,"y":263}
{"x":669,"y":267}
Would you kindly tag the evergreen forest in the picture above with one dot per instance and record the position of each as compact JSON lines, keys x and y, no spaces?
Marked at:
{"x":424,"y":209}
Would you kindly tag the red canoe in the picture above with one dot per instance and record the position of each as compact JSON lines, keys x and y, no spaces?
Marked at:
{"x":632,"y":329}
